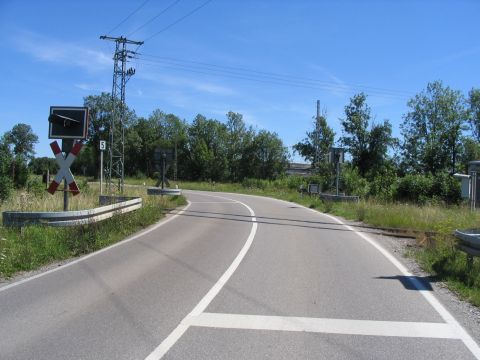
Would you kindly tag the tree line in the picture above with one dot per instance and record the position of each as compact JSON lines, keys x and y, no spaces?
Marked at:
{"x":205,"y":149}
{"x":440,"y":134}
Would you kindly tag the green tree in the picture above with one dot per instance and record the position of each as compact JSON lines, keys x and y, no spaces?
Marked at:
{"x":99,"y":126}
{"x":474,"y":108}
{"x":6,"y":183}
{"x":268,"y":156}
{"x":41,"y":164}
{"x":321,"y":138}
{"x":368,"y":147}
{"x":432,"y":129}
{"x":21,"y":139}
{"x":207,"y":145}
{"x":239,"y":138}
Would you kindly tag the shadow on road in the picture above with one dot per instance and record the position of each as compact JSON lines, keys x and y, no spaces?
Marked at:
{"x":247,"y":219}
{"x":417,"y":283}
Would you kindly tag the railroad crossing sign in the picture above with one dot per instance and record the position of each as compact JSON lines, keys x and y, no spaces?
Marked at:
{"x":64,"y":172}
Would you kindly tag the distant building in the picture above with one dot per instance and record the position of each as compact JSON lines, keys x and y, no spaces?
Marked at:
{"x":299,"y":169}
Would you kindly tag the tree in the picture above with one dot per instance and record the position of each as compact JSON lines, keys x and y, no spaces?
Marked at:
{"x":207,"y":146}
{"x":474,"y":108}
{"x":368,"y":148}
{"x":39,"y":165}
{"x":239,"y":138}
{"x":432,"y":129}
{"x":22,"y":141}
{"x":267,"y":157}
{"x":322,"y":138}
{"x":6,"y":183}
{"x":99,"y":125}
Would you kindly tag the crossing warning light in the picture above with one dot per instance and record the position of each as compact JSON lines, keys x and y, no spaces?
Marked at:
{"x":68,"y":122}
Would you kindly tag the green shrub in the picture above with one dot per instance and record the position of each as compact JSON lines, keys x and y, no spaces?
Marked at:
{"x":21,"y":174}
{"x":423,"y":188}
{"x":415,"y":188}
{"x":35,"y":187}
{"x":447,"y":188}
{"x":353,"y":183}
{"x":6,"y":187}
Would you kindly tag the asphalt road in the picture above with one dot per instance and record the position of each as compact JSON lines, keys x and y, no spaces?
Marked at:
{"x":232,"y":277}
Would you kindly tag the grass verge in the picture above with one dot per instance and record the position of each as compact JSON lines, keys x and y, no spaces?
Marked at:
{"x":437,"y":254}
{"x":34,"y":246}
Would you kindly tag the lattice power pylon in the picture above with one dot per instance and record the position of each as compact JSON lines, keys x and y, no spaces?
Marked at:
{"x":116,"y":146}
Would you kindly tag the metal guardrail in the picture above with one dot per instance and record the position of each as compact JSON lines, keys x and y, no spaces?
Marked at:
{"x":469,"y":243}
{"x":71,"y":218}
{"x":164,"y":191}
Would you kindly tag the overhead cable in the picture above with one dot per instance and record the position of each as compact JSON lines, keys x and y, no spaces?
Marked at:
{"x":272,"y":78}
{"x":178,"y":20}
{"x":155,"y":17}
{"x":128,"y":17}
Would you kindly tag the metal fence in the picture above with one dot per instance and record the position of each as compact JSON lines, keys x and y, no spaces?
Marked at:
{"x":71,"y":218}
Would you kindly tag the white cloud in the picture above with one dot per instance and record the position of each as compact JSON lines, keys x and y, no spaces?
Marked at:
{"x":61,"y":52}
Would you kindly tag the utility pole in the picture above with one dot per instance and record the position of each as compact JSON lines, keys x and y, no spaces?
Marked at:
{"x":317,"y":137}
{"x":116,"y":163}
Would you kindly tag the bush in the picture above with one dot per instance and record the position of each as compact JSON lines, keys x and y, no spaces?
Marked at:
{"x":447,"y":188}
{"x":384,"y":184}
{"x":421,"y":188}
{"x":354,"y":183}
{"x":35,"y":187}
{"x":6,"y":188}
{"x":21,"y":174}
{"x":415,"y":188}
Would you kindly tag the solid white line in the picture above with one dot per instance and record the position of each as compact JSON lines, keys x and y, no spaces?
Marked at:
{"x":329,"y":326}
{"x":428,"y":295}
{"x":177,"y":333}
{"x":127,"y":240}
{"x":214,"y":202}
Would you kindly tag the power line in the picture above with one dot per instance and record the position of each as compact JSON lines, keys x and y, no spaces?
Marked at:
{"x":179,"y":20}
{"x":272,"y":78}
{"x":129,"y":16}
{"x":271,"y":74}
{"x":155,"y":17}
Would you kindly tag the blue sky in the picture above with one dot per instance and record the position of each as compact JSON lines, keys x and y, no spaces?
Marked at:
{"x":52,"y":55}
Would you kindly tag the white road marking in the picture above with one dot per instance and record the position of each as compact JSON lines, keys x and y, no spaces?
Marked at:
{"x":428,"y":295}
{"x":214,"y":202}
{"x":127,"y":240}
{"x":458,"y":330}
{"x":177,"y":333}
{"x":319,"y":325}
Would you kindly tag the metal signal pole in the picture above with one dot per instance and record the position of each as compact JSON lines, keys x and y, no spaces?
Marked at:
{"x":121,"y":75}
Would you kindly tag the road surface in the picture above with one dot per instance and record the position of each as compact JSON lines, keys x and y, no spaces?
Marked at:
{"x":232,"y":277}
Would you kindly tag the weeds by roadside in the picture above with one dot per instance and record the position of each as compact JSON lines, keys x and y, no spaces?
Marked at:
{"x":34,"y":246}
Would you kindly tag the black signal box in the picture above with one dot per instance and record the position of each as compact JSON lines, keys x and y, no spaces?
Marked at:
{"x":68,"y":122}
